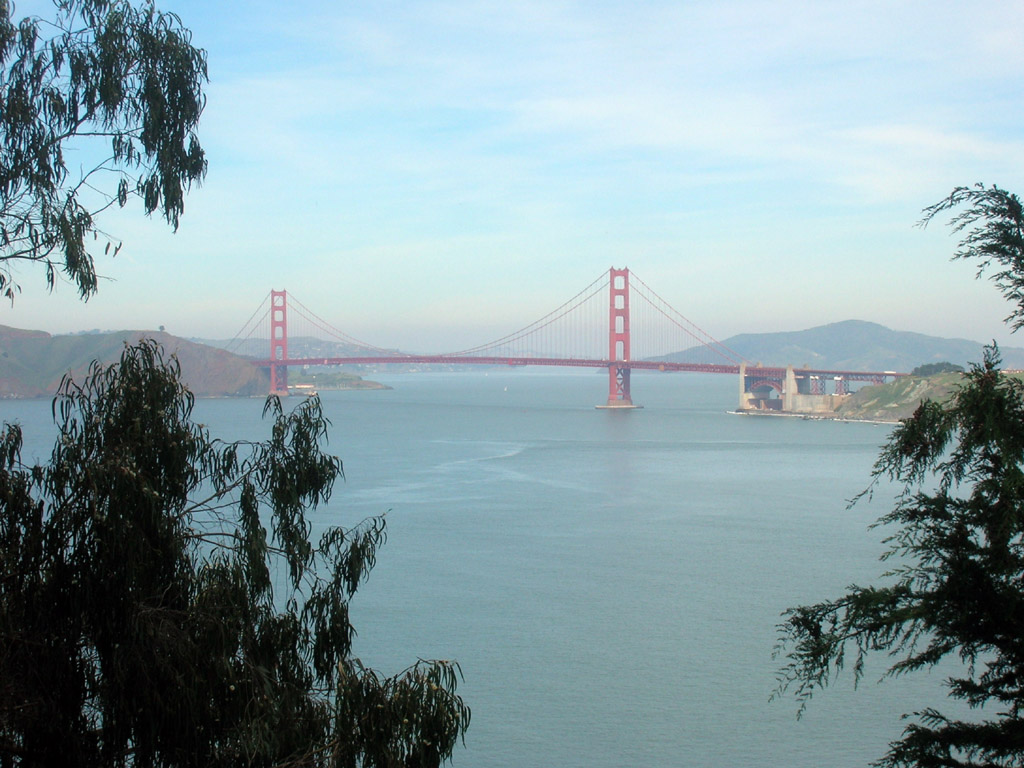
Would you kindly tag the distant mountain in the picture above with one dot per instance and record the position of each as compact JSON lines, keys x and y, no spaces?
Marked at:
{"x":32,"y":363}
{"x":309,"y":347}
{"x":853,"y":345}
{"x":298,"y":347}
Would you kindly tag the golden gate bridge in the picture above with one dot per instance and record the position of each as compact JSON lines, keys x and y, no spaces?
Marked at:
{"x":617,"y":322}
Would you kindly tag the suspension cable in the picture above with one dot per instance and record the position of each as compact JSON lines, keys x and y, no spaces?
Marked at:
{"x":536,"y":325}
{"x":246,"y":324}
{"x":707,"y":337}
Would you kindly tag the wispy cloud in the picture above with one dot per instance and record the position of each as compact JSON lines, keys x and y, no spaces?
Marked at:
{"x":696,"y":139}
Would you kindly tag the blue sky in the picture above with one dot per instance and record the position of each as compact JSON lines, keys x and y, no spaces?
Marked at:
{"x":431,"y":175}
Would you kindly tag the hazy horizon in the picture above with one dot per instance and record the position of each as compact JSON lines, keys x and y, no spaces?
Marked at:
{"x":202,"y":338}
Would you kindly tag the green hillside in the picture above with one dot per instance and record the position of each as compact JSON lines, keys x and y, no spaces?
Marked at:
{"x":32,"y":363}
{"x":898,"y":399}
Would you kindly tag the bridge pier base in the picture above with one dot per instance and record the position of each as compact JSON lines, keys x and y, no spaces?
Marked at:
{"x":618,"y":388}
{"x":279,"y":380}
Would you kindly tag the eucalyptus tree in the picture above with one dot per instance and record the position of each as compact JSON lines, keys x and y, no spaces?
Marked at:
{"x":97,"y":107}
{"x":163,"y":601}
{"x":955,"y":589}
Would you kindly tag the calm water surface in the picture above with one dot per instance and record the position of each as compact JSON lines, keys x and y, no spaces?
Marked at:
{"x":610,"y":582}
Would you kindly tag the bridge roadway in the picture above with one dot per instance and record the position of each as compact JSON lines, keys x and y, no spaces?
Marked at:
{"x":573,"y":362}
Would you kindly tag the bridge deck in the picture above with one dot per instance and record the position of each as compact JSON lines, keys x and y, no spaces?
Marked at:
{"x":572,"y":362}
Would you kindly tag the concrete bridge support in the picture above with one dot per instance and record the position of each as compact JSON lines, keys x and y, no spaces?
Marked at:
{"x":799,"y":391}
{"x":789,"y":390}
{"x":748,"y":399}
{"x":758,"y":389}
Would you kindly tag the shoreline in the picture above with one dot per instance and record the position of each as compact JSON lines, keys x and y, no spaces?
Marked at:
{"x":811,"y":417}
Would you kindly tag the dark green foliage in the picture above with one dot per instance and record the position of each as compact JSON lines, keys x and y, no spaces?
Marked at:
{"x":930,"y":369}
{"x":956,"y":588}
{"x":162,"y":604}
{"x":994,"y":223}
{"x":122,"y":86}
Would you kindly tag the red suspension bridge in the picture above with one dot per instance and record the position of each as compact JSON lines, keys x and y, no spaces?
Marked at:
{"x":617,"y":322}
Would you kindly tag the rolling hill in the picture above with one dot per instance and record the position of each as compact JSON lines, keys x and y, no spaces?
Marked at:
{"x":853,"y":345}
{"x":32,"y":363}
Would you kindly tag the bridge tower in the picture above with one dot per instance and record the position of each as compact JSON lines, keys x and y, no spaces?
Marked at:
{"x":618,"y":340}
{"x":278,"y":342}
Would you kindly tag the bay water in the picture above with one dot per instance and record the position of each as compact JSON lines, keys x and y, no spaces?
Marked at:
{"x":610,"y":582}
